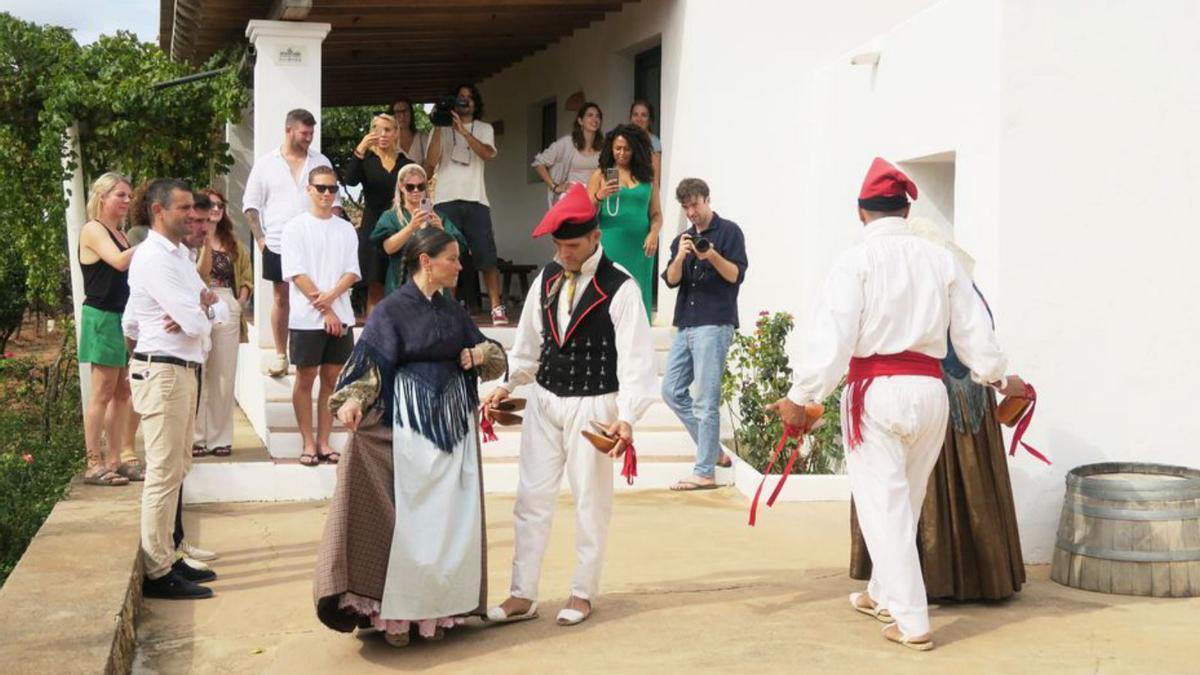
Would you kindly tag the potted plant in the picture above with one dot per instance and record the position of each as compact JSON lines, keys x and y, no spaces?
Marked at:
{"x":757,"y":374}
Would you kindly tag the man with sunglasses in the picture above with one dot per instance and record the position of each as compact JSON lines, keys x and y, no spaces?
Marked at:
{"x":320,"y":262}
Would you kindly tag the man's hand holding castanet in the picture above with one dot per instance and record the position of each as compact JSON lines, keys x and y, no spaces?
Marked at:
{"x":799,"y":417}
{"x":498,"y":394}
{"x":624,"y":435}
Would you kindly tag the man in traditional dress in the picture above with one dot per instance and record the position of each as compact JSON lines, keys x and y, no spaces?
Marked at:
{"x":584,"y":343}
{"x":885,"y":310}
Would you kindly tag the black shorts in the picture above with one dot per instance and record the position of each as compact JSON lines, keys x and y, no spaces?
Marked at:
{"x":272,"y":265}
{"x":309,"y":348}
{"x":475,"y":221}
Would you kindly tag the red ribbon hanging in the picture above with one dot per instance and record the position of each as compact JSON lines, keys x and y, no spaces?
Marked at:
{"x":1023,"y":425}
{"x":788,"y":432}
{"x":485,"y":427}
{"x":629,"y":468}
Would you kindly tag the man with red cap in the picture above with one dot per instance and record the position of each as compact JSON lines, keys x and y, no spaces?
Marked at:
{"x":583,"y":344}
{"x":885,"y":311}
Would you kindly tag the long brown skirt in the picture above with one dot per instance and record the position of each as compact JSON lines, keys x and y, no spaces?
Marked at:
{"x":967,"y":536}
{"x":356,"y":543}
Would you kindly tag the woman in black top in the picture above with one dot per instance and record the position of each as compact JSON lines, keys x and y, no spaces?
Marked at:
{"x":104,"y":257}
{"x":374,"y":165}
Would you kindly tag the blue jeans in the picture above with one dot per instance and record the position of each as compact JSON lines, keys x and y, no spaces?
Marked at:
{"x":698,"y":354}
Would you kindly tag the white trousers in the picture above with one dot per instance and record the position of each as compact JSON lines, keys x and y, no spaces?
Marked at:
{"x":550,"y":442}
{"x":903,"y":429}
{"x":214,"y":418}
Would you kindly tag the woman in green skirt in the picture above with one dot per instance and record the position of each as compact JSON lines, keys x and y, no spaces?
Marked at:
{"x":104,"y":257}
{"x":626,"y":196}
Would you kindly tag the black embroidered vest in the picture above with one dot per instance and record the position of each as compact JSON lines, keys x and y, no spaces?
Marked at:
{"x":580,"y":359}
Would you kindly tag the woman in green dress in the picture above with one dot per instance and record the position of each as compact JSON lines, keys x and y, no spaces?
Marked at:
{"x":626,"y":195}
{"x":396,"y":226}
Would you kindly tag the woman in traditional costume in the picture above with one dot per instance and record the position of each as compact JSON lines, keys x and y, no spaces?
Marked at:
{"x":404,"y":542}
{"x":967,"y":535}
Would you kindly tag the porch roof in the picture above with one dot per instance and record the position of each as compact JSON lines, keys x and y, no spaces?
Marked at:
{"x":381,"y":48}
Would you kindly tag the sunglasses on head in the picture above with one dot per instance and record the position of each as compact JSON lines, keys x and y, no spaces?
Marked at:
{"x":415,"y":187}
{"x":327,"y":189}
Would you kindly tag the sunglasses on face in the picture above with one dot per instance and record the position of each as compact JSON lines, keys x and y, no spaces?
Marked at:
{"x":326,"y":189}
{"x":415,"y":187}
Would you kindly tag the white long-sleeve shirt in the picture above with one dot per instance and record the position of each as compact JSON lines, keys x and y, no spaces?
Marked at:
{"x":637,"y":387}
{"x":163,"y":283}
{"x":891,"y":293}
{"x":279,"y":195}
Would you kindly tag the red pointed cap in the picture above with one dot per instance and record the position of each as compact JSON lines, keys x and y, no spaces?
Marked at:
{"x":885,"y":187}
{"x":573,"y":216}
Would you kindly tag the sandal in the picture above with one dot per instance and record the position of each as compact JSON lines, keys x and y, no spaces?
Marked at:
{"x":906,"y":641}
{"x":329,"y":458}
{"x":134,"y":471}
{"x":200,"y":451}
{"x":876,"y":612}
{"x":223,"y":451}
{"x":309,"y":460}
{"x":685,"y":485}
{"x":109,"y":478}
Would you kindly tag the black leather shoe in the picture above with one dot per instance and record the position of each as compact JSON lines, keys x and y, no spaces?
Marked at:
{"x":174,"y":587}
{"x":191,"y":573}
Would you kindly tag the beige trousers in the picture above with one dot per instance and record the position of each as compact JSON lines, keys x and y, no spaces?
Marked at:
{"x":214,"y":419}
{"x":165,"y":396}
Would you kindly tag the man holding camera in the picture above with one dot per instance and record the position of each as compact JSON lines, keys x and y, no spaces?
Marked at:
{"x":458,"y":156}
{"x":708,"y":264}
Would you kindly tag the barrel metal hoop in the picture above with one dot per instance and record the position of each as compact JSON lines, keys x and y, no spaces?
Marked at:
{"x":1183,"y":555}
{"x":1108,"y":513}
{"x":1188,"y":487}
{"x":1133,"y":494}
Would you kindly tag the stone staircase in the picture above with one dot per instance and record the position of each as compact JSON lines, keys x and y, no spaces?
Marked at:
{"x":665,"y":451}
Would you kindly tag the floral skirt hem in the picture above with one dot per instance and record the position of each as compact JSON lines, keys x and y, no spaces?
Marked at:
{"x":368,"y":608}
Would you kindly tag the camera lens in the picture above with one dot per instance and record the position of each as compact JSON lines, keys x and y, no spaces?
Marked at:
{"x":702,"y":244}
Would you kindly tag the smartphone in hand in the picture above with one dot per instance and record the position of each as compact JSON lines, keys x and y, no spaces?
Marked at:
{"x":426,"y":205}
{"x":612,"y":175}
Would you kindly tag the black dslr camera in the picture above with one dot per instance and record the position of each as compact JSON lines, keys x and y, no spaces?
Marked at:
{"x":701,"y":244}
{"x":440,"y":117}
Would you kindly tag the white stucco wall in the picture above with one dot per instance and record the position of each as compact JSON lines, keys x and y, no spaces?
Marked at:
{"x":1072,"y":128}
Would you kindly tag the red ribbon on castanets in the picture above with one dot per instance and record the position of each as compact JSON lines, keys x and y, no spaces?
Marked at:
{"x":1023,"y":425}
{"x":629,"y":468}
{"x":788,"y":432}
{"x":485,"y":427}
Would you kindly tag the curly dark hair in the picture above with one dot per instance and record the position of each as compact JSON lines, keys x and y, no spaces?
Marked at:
{"x":475,"y":95}
{"x":641,"y":166}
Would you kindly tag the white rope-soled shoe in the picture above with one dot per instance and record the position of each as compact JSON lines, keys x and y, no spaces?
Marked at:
{"x":498,"y":615}
{"x":571,"y":617}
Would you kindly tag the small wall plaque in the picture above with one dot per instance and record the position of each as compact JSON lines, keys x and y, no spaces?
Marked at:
{"x":290,"y":56}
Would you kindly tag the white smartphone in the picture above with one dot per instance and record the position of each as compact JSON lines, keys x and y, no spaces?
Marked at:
{"x":426,"y":205}
{"x":612,"y":174}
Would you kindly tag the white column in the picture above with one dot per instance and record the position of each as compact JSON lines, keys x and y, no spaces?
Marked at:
{"x":287,"y":75}
{"x":76,"y":216}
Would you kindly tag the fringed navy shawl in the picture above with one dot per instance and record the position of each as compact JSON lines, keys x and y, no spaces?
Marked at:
{"x":413,"y":343}
{"x":968,"y":400}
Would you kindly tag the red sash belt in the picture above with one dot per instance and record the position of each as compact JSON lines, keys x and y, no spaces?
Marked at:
{"x":864,"y":370}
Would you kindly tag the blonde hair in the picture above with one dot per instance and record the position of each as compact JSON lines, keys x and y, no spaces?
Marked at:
{"x":100,"y":189}
{"x":390,"y":119}
{"x":398,"y":197}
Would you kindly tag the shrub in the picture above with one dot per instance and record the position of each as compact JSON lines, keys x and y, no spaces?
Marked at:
{"x":41,"y":444}
{"x":756,"y":375}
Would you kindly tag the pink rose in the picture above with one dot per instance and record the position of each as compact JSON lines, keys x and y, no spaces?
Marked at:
{"x":28,"y":458}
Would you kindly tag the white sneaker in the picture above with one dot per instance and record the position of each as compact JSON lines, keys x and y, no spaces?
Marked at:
{"x":278,"y":367}
{"x":196,"y":553}
{"x":499,"y":316}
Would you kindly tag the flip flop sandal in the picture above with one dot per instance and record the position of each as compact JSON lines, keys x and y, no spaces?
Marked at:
{"x":223,"y":451}
{"x":905,"y":641}
{"x":691,"y":486}
{"x":878,"y":613}
{"x":330,"y":458}
{"x":199,"y":451}
{"x":108,"y":478}
{"x":309,"y":460}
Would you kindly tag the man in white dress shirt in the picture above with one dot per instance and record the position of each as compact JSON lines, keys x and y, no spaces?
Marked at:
{"x":170,"y":313}
{"x":885,"y":311}
{"x":320,"y":260}
{"x":584,"y":345}
{"x":276,"y":192}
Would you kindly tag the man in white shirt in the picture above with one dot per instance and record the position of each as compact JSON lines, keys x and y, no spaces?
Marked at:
{"x":458,"y":156}
{"x":276,"y":192}
{"x":885,"y":311}
{"x":170,"y":313}
{"x":320,"y":259}
{"x":584,"y":342}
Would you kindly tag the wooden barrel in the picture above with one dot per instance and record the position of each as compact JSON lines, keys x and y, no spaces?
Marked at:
{"x":1130,"y":528}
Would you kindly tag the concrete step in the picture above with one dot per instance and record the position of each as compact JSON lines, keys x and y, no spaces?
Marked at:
{"x":288,"y":480}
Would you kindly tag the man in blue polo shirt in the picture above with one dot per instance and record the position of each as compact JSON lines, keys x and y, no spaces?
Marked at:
{"x":708,"y":264}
